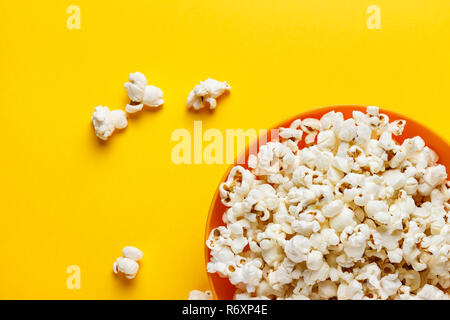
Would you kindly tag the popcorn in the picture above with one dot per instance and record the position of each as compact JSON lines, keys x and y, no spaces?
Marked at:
{"x":314,"y":260}
{"x":371,"y":274}
{"x":397,"y":126}
{"x":395,"y":255}
{"x":434,"y":176}
{"x":341,"y":164}
{"x":252,"y":161}
{"x":247,"y":276}
{"x":292,"y":133}
{"x":394,"y":178}
{"x":351,"y":291}
{"x":237,"y":186}
{"x":411,"y":186}
{"x":354,"y":241}
{"x":132,"y":253}
{"x":223,"y":261}
{"x":327,"y":289}
{"x":311,"y":127}
{"x":313,"y":276}
{"x":389,"y":285}
{"x":200,"y":295}
{"x":412,"y":279}
{"x":353,"y":215}
{"x":326,"y":140}
{"x":429,"y":292}
{"x":106,"y":121}
{"x":284,"y":274}
{"x":372,"y":110}
{"x":128,"y":264}
{"x":348,"y":131}
{"x":386,"y":141}
{"x":142,"y":94}
{"x":342,"y":220}
{"x":378,"y":210}
{"x":206,"y":93}
{"x":297,"y":248}
{"x":331,"y":120}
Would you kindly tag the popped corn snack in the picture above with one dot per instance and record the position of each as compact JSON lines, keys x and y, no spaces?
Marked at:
{"x":128,"y":263}
{"x":106,"y":121}
{"x":200,"y":295}
{"x":206,"y":93}
{"x":142,"y":94}
{"x":353,"y":215}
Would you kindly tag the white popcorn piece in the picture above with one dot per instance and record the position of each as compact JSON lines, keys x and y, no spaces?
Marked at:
{"x":331,"y":120}
{"x":206,"y":93}
{"x":429,"y":292}
{"x":434,"y":176}
{"x":353,"y":215}
{"x":292,"y":133}
{"x":371,"y":273}
{"x":373,"y":110}
{"x":314,"y":260}
{"x":397,"y":126}
{"x":297,"y":248}
{"x":378,"y":210}
{"x":136,"y":86}
{"x":412,"y":279}
{"x":354,"y":241}
{"x":313,"y":276}
{"x":394,"y":178}
{"x":389,"y":285}
{"x":348,"y":131}
{"x":106,"y":121}
{"x":200,"y":295}
{"x":132,"y":253}
{"x":326,"y":140}
{"x":351,"y":291}
{"x":333,"y":208}
{"x":142,"y":94}
{"x":342,"y":220}
{"x":411,"y":185}
{"x":327,"y":289}
{"x":252,"y":161}
{"x":311,"y":127}
{"x":247,"y":276}
{"x":128,"y":264}
{"x":395,"y":255}
{"x":237,"y":186}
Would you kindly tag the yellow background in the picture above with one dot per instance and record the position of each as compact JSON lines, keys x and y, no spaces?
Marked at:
{"x":67,"y":199}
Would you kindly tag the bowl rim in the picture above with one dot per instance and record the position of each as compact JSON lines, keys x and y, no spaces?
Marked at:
{"x":300,"y":115}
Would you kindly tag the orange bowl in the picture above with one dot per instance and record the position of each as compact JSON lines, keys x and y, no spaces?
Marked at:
{"x":221,"y":287}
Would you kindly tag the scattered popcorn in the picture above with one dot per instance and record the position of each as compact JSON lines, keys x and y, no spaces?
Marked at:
{"x":128,"y":264}
{"x":200,"y":295}
{"x":142,"y":94}
{"x":206,"y":93}
{"x":106,"y":121}
{"x":353,"y":215}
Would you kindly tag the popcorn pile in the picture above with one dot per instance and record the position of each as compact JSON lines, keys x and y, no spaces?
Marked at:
{"x":353,"y":215}
{"x":128,"y":263}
